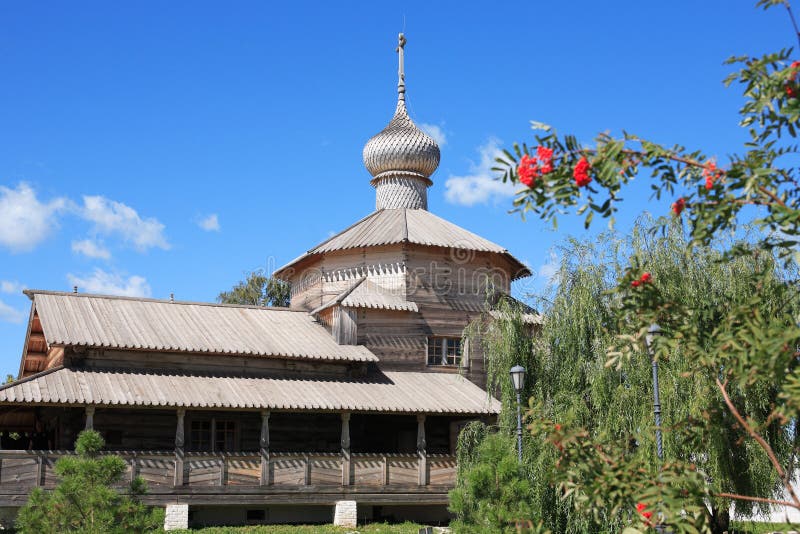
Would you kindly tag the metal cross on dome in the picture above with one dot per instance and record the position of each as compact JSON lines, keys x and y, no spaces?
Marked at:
{"x":401,"y":83}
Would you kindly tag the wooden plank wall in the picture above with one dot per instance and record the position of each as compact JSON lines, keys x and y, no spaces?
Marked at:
{"x":156,"y":470}
{"x":20,"y":472}
{"x":442,"y":470}
{"x":449,"y":286}
{"x":296,"y":432}
{"x":345,"y":325}
{"x":130,"y":429}
{"x":222,"y":365}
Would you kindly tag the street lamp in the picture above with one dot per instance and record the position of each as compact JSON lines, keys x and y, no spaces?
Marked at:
{"x":651,"y":333}
{"x":518,"y":380}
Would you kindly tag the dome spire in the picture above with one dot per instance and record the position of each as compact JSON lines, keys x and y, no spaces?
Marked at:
{"x":401,"y":75}
{"x":401,"y":158}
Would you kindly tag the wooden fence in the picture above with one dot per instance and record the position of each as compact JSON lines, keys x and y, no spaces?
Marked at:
{"x":28,"y":469}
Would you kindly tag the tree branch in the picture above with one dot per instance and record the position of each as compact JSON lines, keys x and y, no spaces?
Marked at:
{"x":787,"y":483}
{"x":794,"y":22}
{"x":754,"y":499}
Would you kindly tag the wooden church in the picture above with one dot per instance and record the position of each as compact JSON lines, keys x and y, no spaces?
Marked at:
{"x":346,"y":406}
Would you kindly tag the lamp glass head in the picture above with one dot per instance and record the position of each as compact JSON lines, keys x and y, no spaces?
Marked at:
{"x":518,"y":377}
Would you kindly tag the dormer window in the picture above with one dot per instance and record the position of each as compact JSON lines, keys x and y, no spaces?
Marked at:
{"x":444,"y":351}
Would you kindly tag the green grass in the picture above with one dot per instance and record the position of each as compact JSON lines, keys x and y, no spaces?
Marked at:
{"x":375,"y":528}
{"x":747,"y":527}
{"x":739,"y":527}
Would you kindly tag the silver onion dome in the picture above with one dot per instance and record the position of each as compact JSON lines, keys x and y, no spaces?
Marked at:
{"x":401,"y":149}
{"x":401,"y":158}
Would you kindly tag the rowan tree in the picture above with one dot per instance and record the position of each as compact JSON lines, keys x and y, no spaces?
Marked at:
{"x":740,"y":354}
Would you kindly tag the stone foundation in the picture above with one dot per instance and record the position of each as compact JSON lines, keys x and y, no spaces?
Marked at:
{"x":345,"y":514}
{"x":176,"y":517}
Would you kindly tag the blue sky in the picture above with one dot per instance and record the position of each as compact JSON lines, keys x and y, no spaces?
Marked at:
{"x":156,"y":147}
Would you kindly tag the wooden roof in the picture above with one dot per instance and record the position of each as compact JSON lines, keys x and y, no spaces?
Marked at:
{"x":365,"y":293}
{"x":69,"y":319}
{"x":392,"y":392}
{"x":417,"y":226}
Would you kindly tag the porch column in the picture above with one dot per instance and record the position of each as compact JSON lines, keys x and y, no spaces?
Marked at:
{"x":421,"y":454}
{"x":345,"y":449}
{"x":179,"y":444}
{"x":89,"y":418}
{"x":264,"y":447}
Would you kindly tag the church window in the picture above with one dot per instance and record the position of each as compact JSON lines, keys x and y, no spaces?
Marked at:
{"x":212,"y":435}
{"x":444,"y":351}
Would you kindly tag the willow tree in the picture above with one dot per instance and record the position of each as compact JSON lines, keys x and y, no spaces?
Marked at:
{"x":571,"y":385}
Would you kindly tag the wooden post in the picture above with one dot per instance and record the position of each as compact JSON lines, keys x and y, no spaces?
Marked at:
{"x":89,"y":418}
{"x":307,"y":476}
{"x":39,"y":470}
{"x":179,"y":447}
{"x":421,"y":454}
{"x":345,"y":449}
{"x":264,"y":444}
{"x":134,"y":467}
{"x":223,"y":469}
{"x":385,"y":470}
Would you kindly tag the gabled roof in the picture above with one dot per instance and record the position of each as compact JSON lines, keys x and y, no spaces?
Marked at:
{"x":365,"y":293}
{"x":71,"y":319}
{"x":417,"y":226}
{"x":400,"y":392}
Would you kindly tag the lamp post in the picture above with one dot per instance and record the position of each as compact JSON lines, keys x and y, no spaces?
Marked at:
{"x":518,"y":380}
{"x":651,"y":333}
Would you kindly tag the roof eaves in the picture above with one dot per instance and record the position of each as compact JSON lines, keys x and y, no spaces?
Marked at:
{"x":30,"y":377}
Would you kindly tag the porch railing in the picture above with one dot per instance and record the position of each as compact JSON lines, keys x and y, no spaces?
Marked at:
{"x":21,"y":470}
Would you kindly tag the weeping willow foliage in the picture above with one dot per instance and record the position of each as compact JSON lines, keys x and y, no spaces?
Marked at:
{"x":569,"y":382}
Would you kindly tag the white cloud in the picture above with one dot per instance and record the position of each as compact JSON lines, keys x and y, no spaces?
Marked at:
{"x":548,"y":270}
{"x":107,"y":283}
{"x":111,"y":217}
{"x":91,"y":249}
{"x":435,"y":132}
{"x":480,"y":185}
{"x":24,"y":221}
{"x":11,"y":315}
{"x":7,"y":286}
{"x":210,"y":223}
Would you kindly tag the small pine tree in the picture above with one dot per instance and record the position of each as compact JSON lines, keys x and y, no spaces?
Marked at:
{"x":85,"y":501}
{"x":493,"y":495}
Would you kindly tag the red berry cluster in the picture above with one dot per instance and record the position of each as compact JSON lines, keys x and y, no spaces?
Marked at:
{"x":791,"y":89}
{"x":678,"y":206}
{"x":581,"y":173}
{"x":642,"y":509}
{"x":711,"y":173}
{"x":646,"y":278}
{"x":532,"y":167}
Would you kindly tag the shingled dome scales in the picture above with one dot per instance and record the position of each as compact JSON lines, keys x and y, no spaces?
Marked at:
{"x":401,"y":158}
